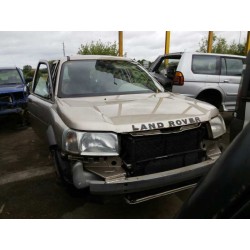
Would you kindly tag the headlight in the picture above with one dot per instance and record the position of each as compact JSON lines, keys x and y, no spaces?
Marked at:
{"x":87,"y":143}
{"x":218,"y":126}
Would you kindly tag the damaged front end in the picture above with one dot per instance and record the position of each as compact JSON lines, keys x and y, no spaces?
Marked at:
{"x":13,"y":103}
{"x":13,"y":106}
{"x":146,"y":163}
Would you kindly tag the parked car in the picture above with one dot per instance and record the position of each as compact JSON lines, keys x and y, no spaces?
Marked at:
{"x":213,"y":78}
{"x":242,"y":113}
{"x":113,"y":130}
{"x":13,"y":93}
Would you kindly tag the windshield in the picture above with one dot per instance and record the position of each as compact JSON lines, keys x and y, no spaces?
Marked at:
{"x":9,"y":76}
{"x":103,"y":77}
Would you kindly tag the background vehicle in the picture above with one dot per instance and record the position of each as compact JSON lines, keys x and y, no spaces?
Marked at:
{"x":242,"y":113}
{"x":112,"y":129}
{"x":13,"y":93}
{"x":213,"y":78}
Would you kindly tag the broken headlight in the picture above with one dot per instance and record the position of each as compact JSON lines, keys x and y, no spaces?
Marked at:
{"x":91,"y":143}
{"x":218,"y":126}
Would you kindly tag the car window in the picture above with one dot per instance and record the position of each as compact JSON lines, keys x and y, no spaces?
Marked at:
{"x":10,"y":76}
{"x":205,"y":64}
{"x":41,"y":84}
{"x":103,"y":77}
{"x":231,"y":66}
{"x":54,"y":70}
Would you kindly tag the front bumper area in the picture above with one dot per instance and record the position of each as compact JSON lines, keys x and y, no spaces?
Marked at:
{"x":146,"y":182}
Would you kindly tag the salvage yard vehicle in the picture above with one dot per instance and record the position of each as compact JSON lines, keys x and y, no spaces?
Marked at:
{"x":113,"y":130}
{"x":13,"y":93}
{"x":209,"y":77}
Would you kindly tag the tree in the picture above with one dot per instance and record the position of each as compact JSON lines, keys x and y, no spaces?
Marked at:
{"x":26,"y":69}
{"x":30,"y":73}
{"x":221,"y":46}
{"x":98,"y":48}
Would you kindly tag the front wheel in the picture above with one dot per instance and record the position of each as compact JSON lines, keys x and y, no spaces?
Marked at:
{"x":62,"y":167}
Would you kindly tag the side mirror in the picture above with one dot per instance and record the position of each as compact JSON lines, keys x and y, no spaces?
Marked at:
{"x":29,"y":86}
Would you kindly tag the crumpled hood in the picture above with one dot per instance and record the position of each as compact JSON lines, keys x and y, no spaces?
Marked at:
{"x":126,"y":113}
{"x":11,"y":88}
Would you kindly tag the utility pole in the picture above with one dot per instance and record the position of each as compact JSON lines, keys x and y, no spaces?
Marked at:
{"x":120,"y":43}
{"x":63,"y":49}
{"x":210,"y":41}
{"x":167,"y":45}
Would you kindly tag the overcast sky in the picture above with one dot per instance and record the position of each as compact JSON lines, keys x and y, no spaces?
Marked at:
{"x":27,"y":47}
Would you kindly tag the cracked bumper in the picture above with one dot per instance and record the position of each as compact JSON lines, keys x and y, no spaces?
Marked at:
{"x":152,"y":181}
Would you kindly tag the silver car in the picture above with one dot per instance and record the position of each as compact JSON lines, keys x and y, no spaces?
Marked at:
{"x":112,"y":129}
{"x":213,"y":78}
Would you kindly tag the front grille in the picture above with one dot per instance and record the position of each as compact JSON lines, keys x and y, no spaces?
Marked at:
{"x":162,"y":152}
{"x":18,"y":96}
{"x":12,"y":97}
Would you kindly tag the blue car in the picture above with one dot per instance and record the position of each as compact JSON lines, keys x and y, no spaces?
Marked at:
{"x":13,"y":93}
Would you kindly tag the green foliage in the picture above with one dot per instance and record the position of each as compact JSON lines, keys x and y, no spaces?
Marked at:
{"x":30,"y":73}
{"x":26,"y":70}
{"x":221,"y":46}
{"x":51,"y":63}
{"x":98,"y":48}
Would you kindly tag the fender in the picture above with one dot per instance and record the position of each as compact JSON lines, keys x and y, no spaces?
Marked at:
{"x":51,"y":136}
{"x":218,"y":89}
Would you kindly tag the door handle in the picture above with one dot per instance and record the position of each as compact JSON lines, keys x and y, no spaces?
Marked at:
{"x":226,"y":81}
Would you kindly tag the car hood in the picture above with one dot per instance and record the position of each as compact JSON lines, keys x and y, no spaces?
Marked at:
{"x":126,"y":113}
{"x":11,"y":88}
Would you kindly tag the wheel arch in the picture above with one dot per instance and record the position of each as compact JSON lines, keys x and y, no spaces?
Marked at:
{"x":211,"y":94}
{"x":51,"y":137}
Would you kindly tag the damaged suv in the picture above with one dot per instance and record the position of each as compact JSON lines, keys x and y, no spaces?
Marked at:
{"x":13,"y":93}
{"x":112,"y":129}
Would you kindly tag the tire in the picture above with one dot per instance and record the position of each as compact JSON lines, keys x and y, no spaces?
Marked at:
{"x":62,"y":168}
{"x":64,"y":176}
{"x":22,"y":120}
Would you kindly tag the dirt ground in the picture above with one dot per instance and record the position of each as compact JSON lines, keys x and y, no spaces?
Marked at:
{"x":27,"y":193}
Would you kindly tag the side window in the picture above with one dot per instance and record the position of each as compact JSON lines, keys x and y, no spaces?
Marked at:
{"x":42,"y":84}
{"x":205,"y":64}
{"x":232,"y":66}
{"x":54,"y":70}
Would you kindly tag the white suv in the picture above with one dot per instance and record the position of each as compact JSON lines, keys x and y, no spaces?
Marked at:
{"x":213,"y":78}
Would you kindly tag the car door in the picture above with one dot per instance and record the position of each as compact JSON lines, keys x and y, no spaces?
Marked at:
{"x":231,"y":71}
{"x":41,"y":99}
